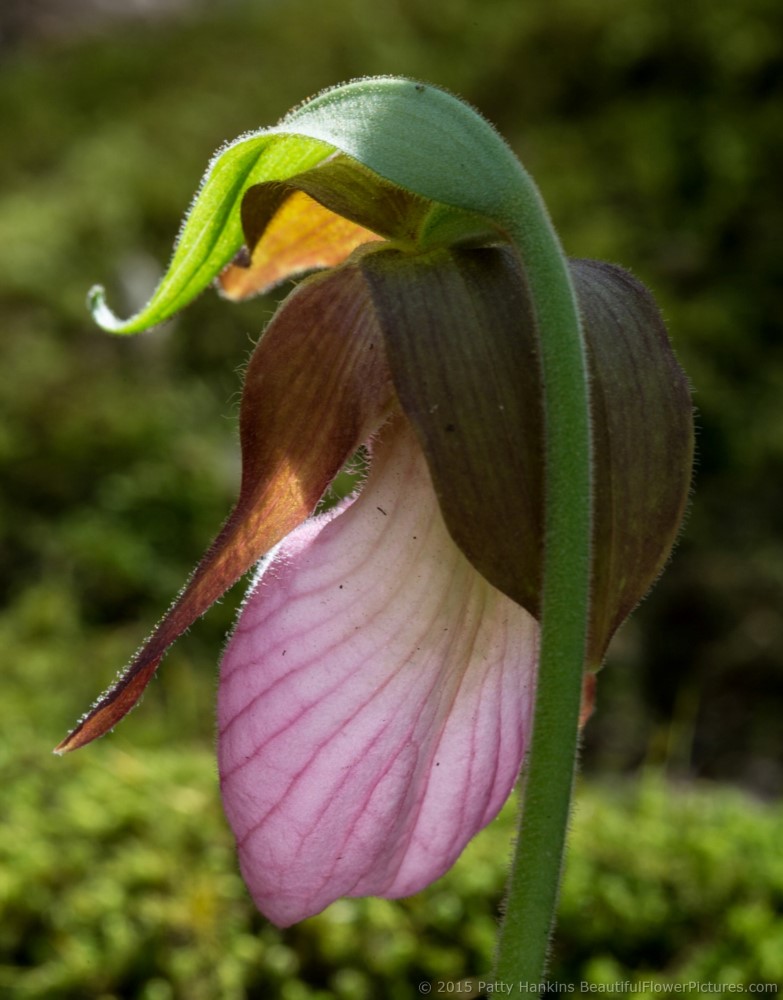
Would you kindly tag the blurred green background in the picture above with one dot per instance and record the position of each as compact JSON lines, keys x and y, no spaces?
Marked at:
{"x":655,"y":132}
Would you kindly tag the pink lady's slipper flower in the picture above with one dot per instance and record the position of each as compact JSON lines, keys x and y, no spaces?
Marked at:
{"x":376,"y":697}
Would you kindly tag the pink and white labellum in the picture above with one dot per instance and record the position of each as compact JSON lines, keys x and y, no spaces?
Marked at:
{"x":374,"y":700}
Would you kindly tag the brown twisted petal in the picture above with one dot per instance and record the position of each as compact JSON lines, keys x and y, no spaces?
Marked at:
{"x":316,"y":388}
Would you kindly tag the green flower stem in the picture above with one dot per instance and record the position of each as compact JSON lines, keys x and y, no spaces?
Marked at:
{"x":535,"y":874}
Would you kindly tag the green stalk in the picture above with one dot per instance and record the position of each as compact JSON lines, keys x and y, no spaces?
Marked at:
{"x":534,"y":881}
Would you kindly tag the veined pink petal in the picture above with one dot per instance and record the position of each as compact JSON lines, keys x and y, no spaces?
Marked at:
{"x":375,"y":700}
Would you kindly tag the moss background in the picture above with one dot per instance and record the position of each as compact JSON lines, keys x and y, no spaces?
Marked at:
{"x":654,"y":131}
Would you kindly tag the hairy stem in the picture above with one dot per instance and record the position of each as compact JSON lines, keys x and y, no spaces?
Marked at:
{"x":534,"y":881}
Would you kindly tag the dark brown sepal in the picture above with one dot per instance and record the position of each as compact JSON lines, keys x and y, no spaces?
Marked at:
{"x":462,"y":350}
{"x":642,"y":420}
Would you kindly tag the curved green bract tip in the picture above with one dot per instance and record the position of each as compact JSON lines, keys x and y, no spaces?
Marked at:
{"x":96,"y":303}
{"x":211,"y":234}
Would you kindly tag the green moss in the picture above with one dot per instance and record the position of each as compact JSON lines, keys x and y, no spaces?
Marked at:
{"x":121,"y":880}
